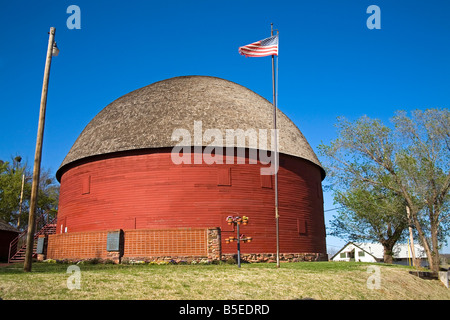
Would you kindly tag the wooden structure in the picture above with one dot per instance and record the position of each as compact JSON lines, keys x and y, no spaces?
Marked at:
{"x":120,"y":173}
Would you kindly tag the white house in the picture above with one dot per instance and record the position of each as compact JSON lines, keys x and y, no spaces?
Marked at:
{"x":373,"y":252}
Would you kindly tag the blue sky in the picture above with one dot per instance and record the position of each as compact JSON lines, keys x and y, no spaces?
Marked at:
{"x":330,"y":63}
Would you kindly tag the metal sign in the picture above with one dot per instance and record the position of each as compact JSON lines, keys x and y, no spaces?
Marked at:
{"x":113,"y":241}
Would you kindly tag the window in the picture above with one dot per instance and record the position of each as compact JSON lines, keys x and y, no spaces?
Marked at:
{"x":301,"y":226}
{"x":266,"y":181}
{"x":86,"y":187}
{"x":361,"y":254}
{"x":224,"y":177}
{"x":343,"y":255}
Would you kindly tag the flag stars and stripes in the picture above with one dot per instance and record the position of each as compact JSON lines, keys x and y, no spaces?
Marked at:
{"x":262,"y":48}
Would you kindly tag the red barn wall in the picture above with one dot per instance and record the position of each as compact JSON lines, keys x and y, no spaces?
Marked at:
{"x":144,"y":190}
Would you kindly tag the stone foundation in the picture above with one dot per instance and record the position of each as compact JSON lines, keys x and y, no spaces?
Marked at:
{"x":214,"y":244}
{"x":272,"y":257}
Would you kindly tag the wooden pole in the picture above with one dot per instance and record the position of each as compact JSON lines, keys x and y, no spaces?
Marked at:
{"x":411,"y":239}
{"x":275,"y":154}
{"x":37,"y":155}
{"x":21,"y":201}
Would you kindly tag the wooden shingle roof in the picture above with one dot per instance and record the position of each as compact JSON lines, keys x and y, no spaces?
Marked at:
{"x":146,"y":118}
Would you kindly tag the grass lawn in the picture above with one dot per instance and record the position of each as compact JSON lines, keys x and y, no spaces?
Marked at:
{"x":317,"y":280}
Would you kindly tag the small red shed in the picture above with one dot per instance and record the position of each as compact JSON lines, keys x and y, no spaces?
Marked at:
{"x":7,"y":234}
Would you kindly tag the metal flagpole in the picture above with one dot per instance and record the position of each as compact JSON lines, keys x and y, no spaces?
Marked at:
{"x":238,"y":246}
{"x":275,"y":153}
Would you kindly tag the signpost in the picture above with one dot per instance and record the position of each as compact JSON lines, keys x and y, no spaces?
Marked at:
{"x":237,"y":221}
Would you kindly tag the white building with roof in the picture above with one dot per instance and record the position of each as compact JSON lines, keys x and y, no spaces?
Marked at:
{"x":373,"y":252}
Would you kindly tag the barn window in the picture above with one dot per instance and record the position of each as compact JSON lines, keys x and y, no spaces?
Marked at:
{"x":86,"y":185}
{"x":301,"y":226}
{"x":224,"y":177}
{"x":266,"y":181}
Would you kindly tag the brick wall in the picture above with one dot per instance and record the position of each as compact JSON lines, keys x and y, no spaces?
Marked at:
{"x":158,"y":244}
{"x":142,"y":244}
{"x":77,"y":245}
{"x":166,"y":242}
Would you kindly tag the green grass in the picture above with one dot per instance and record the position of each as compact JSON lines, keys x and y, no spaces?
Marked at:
{"x":317,"y":280}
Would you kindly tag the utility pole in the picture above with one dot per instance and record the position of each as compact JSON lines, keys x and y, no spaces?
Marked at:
{"x":38,"y":154}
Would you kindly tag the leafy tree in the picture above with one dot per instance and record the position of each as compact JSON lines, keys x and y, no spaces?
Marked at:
{"x":11,"y":173}
{"x":411,"y":160}
{"x":10,"y":188}
{"x":373,"y":215}
{"x":48,"y":197}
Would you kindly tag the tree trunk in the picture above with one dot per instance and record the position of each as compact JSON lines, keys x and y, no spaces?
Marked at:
{"x":388,"y":254}
{"x":434,"y":261}
{"x":433,"y":251}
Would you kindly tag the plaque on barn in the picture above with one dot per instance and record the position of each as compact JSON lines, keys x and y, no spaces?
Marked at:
{"x":40,"y":245}
{"x":113,"y":241}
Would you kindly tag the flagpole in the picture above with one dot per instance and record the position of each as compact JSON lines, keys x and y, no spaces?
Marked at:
{"x":275,"y":153}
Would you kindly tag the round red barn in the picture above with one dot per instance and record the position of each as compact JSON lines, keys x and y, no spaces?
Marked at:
{"x":122,"y":171}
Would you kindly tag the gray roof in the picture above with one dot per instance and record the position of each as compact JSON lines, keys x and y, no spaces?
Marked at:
{"x":146,"y":118}
{"x":7,"y":227}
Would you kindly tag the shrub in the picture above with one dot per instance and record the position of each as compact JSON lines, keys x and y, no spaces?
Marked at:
{"x":204,"y":261}
{"x":49,"y":261}
{"x":108,"y":261}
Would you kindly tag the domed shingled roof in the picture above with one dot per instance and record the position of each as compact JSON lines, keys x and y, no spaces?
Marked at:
{"x":146,"y":118}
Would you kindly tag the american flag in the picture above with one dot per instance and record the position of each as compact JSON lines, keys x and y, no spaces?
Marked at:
{"x":262,"y":48}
